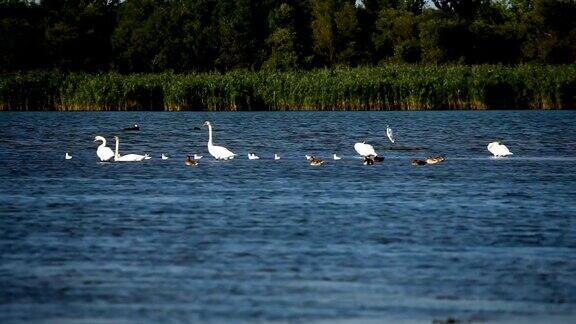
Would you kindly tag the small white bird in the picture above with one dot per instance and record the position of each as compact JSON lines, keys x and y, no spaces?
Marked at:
{"x":197,"y":157}
{"x":165,"y":157}
{"x":336,"y":157}
{"x":498,"y":149}
{"x":68,"y":156}
{"x":252,"y":156}
{"x":389,"y":133}
{"x":276,"y":156}
{"x":365,"y":149}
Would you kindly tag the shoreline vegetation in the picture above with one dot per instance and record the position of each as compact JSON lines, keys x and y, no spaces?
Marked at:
{"x":386,"y":87}
{"x":243,"y":55}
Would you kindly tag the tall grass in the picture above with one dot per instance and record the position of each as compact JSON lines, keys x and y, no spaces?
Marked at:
{"x":388,"y":87}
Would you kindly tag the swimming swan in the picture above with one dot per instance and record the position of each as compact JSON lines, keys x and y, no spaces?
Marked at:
{"x":336,"y":157}
{"x":197,"y":157}
{"x":498,"y":149}
{"x":390,"y":134}
{"x":165,"y":157}
{"x":276,"y":156}
{"x":68,"y":156}
{"x":365,"y":149}
{"x":104,"y":153}
{"x":252,"y":156}
{"x":127,"y":157}
{"x":218,"y":152}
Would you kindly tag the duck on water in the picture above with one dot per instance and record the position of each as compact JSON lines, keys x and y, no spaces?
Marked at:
{"x":133,"y":128}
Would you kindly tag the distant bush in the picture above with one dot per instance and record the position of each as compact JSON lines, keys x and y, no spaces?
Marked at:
{"x":387,"y":87}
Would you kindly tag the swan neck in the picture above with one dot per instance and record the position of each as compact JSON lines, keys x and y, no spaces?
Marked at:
{"x":209,"y":135}
{"x":116,"y":155}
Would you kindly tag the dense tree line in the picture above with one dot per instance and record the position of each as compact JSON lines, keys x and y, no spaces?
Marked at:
{"x":221,"y":35}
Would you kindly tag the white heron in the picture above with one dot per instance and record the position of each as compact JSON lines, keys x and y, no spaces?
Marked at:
{"x":68,"y":156}
{"x":365,"y":149}
{"x":104,"y":153}
{"x":218,"y":152}
{"x":390,"y":134}
{"x":127,"y":157}
{"x":498,"y":149}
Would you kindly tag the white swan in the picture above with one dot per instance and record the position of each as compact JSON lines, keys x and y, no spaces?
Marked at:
{"x":68,"y":156}
{"x":389,"y":133}
{"x":197,"y":157}
{"x":127,"y":157}
{"x":308,"y":157}
{"x":218,"y":152}
{"x":165,"y":157}
{"x":498,"y":149}
{"x":365,"y":149}
{"x":104,"y":153}
{"x":336,"y":157}
{"x":252,"y":156}
{"x":276,"y":156}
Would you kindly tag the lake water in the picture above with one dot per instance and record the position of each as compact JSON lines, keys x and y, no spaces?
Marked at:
{"x":474,"y":238}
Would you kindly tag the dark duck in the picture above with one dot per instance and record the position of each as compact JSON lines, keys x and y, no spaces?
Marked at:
{"x":191,"y":162}
{"x":315,"y":161}
{"x":133,"y":128}
{"x":371,"y":159}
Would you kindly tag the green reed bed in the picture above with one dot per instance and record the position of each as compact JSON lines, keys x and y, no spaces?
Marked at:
{"x":388,"y":87}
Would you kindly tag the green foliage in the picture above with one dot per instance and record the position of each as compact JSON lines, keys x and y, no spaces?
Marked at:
{"x":461,"y":9}
{"x":392,"y":86}
{"x":234,"y":34}
{"x":21,"y":42}
{"x":283,"y":56}
{"x":323,"y":30}
{"x":282,"y":41}
{"x":346,"y":26}
{"x":409,"y":51}
{"x":183,"y":36}
{"x":552,"y":31}
{"x":393,"y":28}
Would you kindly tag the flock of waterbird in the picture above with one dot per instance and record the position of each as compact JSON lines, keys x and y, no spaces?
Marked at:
{"x":366,"y":151}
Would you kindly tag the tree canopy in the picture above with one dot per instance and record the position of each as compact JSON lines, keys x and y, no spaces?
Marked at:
{"x":208,"y":35}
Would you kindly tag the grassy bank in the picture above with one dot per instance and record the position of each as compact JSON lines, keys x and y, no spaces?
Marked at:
{"x":390,"y":87}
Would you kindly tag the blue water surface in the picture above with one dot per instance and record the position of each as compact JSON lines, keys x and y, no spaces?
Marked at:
{"x":474,"y":238}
